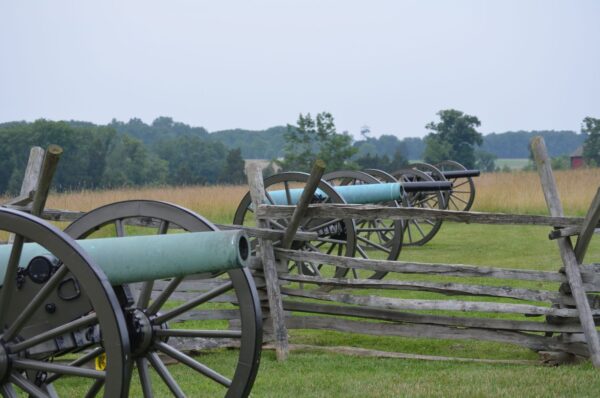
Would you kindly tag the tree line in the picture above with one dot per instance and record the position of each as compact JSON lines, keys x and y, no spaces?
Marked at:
{"x":102,"y":157}
{"x":134,"y":153}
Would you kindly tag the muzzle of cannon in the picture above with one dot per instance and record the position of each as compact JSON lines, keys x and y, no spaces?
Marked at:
{"x":142,"y":258}
{"x":98,"y":307}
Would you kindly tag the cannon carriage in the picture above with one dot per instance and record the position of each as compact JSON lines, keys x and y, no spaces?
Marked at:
{"x":379,"y":239}
{"x":85,"y":296}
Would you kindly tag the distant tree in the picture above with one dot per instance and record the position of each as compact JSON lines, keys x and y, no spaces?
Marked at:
{"x":129,"y":163}
{"x":192,"y":160}
{"x":486,"y":161}
{"x":591,"y":147}
{"x":233,"y":170}
{"x":316,"y":138}
{"x":397,"y":162}
{"x":560,"y":163}
{"x":365,"y":131}
{"x":454,"y":138}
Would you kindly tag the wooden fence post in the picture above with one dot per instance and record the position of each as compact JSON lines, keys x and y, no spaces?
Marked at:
{"x":49,"y":165}
{"x":257,"y":193}
{"x":307,"y":194}
{"x":590,"y":222}
{"x":32,"y":172}
{"x":566,"y":250}
{"x":30,"y":180}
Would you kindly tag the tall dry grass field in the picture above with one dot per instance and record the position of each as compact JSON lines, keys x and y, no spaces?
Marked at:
{"x":516,"y":192}
{"x":521,"y":192}
{"x":217,"y":202}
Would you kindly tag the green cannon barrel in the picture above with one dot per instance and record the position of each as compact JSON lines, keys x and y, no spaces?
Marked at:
{"x":143,"y":258}
{"x":363,"y":193}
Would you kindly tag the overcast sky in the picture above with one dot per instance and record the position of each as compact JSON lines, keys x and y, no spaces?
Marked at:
{"x":390,"y":65}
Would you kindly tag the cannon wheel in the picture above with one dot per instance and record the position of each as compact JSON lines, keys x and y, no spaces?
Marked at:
{"x":462,"y":195}
{"x":381,"y":175}
{"x":150,"y":315}
{"x":336,"y":236}
{"x":373,"y":236}
{"x":417,"y":232}
{"x":31,"y":326}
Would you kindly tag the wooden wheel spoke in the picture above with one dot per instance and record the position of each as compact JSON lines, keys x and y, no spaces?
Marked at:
{"x":119,"y":228}
{"x":144,"y":375}
{"x":27,"y":386}
{"x":325,"y":224}
{"x":226,"y":334}
{"x":194,"y":303}
{"x":362,"y":252}
{"x":375,"y":245}
{"x":10,"y":276}
{"x":94,"y":389}
{"x":78,"y":362}
{"x":30,"y":364}
{"x":8,"y":391}
{"x":418,"y":227}
{"x":192,"y":363}
{"x":165,"y":375}
{"x":52,"y":333}
{"x":460,"y":185}
{"x":288,"y":196}
{"x":162,"y":298}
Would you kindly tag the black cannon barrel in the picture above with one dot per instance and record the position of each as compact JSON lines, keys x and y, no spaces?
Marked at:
{"x":426,"y":186}
{"x":461,"y":173}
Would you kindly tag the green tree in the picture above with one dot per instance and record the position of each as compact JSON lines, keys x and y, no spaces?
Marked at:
{"x":454,"y":138}
{"x":316,"y":138}
{"x":486,"y":161}
{"x":233,"y":170}
{"x":591,"y":147}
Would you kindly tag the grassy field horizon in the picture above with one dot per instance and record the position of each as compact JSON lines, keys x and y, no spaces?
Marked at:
{"x":314,"y":373}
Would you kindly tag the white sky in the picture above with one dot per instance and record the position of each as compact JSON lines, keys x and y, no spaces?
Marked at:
{"x":254,"y":64}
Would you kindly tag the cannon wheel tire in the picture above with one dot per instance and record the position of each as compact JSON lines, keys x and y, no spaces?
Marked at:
{"x":36,"y":342}
{"x":337,"y":236}
{"x":462,"y":195}
{"x":418,"y":231}
{"x":163,"y":315}
{"x":378,"y":237}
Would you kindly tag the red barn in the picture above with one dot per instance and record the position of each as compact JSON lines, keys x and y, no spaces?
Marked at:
{"x":577,"y":158}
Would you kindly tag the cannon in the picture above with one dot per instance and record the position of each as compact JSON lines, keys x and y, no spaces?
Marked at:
{"x":347,"y":237}
{"x":88,"y":296}
{"x":462,"y":194}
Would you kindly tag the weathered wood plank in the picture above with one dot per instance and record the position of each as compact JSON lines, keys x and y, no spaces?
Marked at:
{"x":588,"y":227}
{"x":363,"y":352}
{"x":534,"y":342}
{"x":32,"y":172}
{"x":202,"y":315}
{"x":51,"y":159}
{"x":428,"y":305}
{"x":447,"y":288}
{"x":423,"y":268}
{"x":257,"y":193}
{"x":270,"y":234}
{"x":306,"y":197}
{"x":567,"y":254}
{"x":372,"y":212}
{"x":409,"y":317}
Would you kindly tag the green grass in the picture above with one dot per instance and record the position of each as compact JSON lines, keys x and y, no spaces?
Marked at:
{"x":513,"y":164}
{"x":309,"y":373}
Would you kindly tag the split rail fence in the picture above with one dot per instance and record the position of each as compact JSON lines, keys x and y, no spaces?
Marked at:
{"x":559,"y":319}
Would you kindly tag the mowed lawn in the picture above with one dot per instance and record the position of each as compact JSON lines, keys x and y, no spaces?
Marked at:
{"x":314,"y":373}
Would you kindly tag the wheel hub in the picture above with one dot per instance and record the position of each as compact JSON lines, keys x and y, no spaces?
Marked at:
{"x":140,"y":331}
